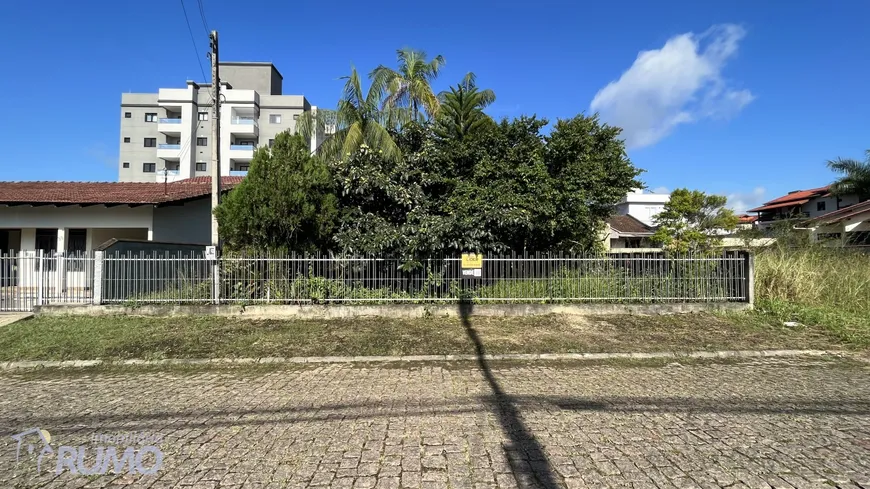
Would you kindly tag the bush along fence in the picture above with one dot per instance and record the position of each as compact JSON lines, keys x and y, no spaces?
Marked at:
{"x":328,"y":279}
{"x":189,"y":277}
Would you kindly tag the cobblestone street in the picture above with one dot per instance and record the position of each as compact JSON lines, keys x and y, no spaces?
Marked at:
{"x":765,"y":423}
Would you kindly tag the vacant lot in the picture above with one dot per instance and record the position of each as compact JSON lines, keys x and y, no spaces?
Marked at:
{"x":125,"y":337}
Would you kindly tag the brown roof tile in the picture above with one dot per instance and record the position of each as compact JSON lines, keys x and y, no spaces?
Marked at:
{"x":108,"y":192}
{"x":628,"y":225}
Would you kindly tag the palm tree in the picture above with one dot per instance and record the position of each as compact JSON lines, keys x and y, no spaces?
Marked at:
{"x":462,"y":109}
{"x":357,"y":122}
{"x":855,"y":179}
{"x":408,"y":88}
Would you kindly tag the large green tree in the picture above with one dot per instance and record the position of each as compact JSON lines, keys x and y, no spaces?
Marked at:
{"x":855,"y":177}
{"x":408,"y":90}
{"x":591,"y":173}
{"x":358,"y":122}
{"x":504,"y":188}
{"x":286,"y":202}
{"x":692,"y":221}
{"x":461,"y":110}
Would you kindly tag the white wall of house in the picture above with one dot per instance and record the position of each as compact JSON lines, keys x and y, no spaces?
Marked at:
{"x":837,"y":233}
{"x":829,"y":205}
{"x":643,"y":207}
{"x":187,"y":223}
{"x":643,"y":212}
{"x":75,"y":217}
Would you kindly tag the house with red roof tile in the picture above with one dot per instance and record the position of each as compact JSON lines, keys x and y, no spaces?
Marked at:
{"x":801,"y":204}
{"x":76,"y":217}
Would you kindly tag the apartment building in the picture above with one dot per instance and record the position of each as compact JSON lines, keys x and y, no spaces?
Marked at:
{"x":167,"y":135}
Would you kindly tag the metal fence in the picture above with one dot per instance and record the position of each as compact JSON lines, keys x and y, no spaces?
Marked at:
{"x":33,"y":278}
{"x":617,"y":277}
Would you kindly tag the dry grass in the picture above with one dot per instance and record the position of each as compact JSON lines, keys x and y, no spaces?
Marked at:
{"x":816,"y":286}
{"x":815,"y":276}
{"x":124,"y":337}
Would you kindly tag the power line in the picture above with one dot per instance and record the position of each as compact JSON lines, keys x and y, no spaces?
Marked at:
{"x":202,"y":16}
{"x":196,"y":49}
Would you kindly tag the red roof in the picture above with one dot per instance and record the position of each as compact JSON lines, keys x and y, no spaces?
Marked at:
{"x":798,"y":197}
{"x":746,"y":218}
{"x":128,"y":193}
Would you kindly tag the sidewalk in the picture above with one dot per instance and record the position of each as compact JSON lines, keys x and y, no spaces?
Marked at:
{"x":768,"y":422}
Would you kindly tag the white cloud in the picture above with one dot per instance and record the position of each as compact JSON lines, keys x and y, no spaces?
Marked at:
{"x":661,"y":190}
{"x":677,"y":84}
{"x":741,"y":201}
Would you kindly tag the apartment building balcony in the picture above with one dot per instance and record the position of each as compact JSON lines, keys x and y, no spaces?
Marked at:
{"x":239,"y":168}
{"x":169,"y":152}
{"x":241,"y":153}
{"x":169,"y":126}
{"x":244,"y":126}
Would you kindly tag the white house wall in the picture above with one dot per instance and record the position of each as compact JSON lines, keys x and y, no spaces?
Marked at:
{"x":812,"y":207}
{"x":643,"y":212}
{"x":76,"y":217}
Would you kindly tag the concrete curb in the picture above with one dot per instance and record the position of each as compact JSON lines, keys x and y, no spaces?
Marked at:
{"x":401,"y":310}
{"x":429,"y":358}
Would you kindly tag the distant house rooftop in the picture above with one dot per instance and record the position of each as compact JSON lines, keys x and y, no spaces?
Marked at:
{"x":627,"y":225}
{"x":793,"y":198}
{"x":108,"y":193}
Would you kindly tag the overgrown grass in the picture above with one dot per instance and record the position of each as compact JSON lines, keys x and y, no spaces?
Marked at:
{"x":125,"y":337}
{"x":816,"y":286}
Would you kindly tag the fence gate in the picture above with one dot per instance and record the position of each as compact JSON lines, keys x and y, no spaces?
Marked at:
{"x":32,"y":278}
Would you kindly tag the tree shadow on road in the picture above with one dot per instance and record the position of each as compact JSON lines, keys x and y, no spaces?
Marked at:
{"x":526,"y":457}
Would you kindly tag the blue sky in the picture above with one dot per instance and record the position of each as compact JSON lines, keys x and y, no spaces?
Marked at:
{"x":741,"y":98}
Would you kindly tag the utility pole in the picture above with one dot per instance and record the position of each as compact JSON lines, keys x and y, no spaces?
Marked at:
{"x":215,"y":161}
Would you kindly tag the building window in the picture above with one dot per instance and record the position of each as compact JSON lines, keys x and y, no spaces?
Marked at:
{"x":151,"y":117}
{"x":202,"y":141}
{"x":271,"y":142}
{"x":128,"y":115}
{"x":295,"y":117}
{"x":76,"y":240}
{"x":149,"y":167}
{"x":820,"y":206}
{"x":150,"y":142}
{"x":201,"y":166}
{"x":126,"y":140}
{"x":203,"y":116}
{"x":126,"y":164}
{"x":242,"y":168}
{"x":274,"y":118}
{"x":46,"y":240}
